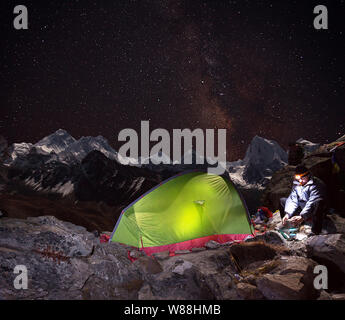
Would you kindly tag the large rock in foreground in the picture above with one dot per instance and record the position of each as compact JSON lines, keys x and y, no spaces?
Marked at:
{"x":330,"y":248}
{"x":64,"y":261}
{"x":292,"y":279}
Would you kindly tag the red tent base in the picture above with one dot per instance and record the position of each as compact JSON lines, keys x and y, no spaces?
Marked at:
{"x":195,"y":243}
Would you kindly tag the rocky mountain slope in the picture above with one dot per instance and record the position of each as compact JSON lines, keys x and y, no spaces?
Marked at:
{"x":91,"y":193}
{"x":251,"y":175}
{"x":60,"y":146}
{"x":263,"y":158}
{"x":88,"y":175}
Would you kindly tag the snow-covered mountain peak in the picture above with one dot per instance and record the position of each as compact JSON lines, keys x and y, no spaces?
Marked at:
{"x":55,"y":142}
{"x":80,"y":148}
{"x":263,"y":151}
{"x":61,"y":146}
{"x":18,"y":150}
{"x":263,"y":157}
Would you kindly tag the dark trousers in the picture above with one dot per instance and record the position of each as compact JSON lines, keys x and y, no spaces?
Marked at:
{"x":316,"y":218}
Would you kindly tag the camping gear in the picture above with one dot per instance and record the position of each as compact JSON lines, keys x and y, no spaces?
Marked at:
{"x":288,"y":233}
{"x":184,"y":212}
{"x":104,"y":238}
{"x":262,"y":215}
{"x":261,"y":219}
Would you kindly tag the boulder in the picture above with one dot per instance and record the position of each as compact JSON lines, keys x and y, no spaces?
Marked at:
{"x":182,"y":251}
{"x":145,"y":293}
{"x":251,"y":279}
{"x":228,"y":243}
{"x":329,"y":248}
{"x":113,"y":276}
{"x":136,"y":254}
{"x":247,"y":253}
{"x":212,"y":244}
{"x":271,"y":236}
{"x":179,"y":280}
{"x":46,"y":233}
{"x":282,"y":287}
{"x":334,"y":223}
{"x":308,"y":146}
{"x":293,"y":264}
{"x":198,"y":249}
{"x":204,"y":274}
{"x":320,"y":165}
{"x":63,"y":261}
{"x":182,"y":267}
{"x":338,"y":296}
{"x":292,"y":279}
{"x":279,"y":186}
{"x":148,"y":265}
{"x":161,"y":255}
{"x":248,"y":291}
{"x":297,"y":248}
{"x":324,"y":295}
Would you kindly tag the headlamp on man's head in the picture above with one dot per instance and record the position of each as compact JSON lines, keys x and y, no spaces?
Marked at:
{"x":299,"y":176}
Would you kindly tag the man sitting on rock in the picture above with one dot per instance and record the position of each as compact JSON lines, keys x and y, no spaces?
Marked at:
{"x":306,"y":202}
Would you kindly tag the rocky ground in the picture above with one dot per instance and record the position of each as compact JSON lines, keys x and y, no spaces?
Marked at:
{"x":65,"y":261}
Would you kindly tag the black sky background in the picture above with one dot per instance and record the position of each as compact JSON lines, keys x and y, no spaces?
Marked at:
{"x":97,"y":67}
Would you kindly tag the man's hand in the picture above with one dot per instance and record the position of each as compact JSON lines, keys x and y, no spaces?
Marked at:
{"x":285,"y":219}
{"x":296,"y":220}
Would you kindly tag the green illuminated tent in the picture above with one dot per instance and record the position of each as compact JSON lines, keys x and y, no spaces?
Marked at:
{"x":183,"y":212}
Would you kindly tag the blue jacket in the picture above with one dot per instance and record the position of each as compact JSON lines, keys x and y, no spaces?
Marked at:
{"x":304,"y":197}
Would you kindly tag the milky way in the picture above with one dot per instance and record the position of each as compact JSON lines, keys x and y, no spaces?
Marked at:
{"x":96,"y":67}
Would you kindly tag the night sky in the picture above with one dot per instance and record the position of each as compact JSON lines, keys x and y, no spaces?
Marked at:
{"x":96,"y":67}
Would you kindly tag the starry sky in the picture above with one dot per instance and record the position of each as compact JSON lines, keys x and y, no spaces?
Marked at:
{"x":97,"y":67}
